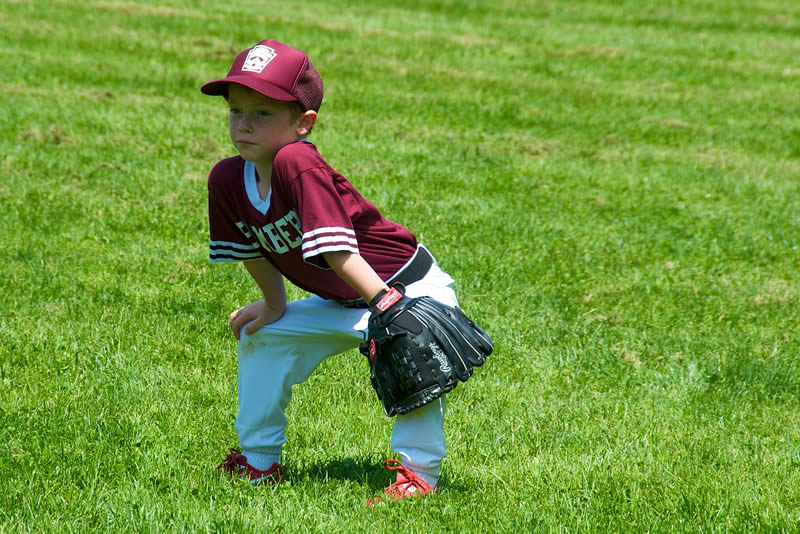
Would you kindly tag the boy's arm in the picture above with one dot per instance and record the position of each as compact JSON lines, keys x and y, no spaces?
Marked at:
{"x":358,"y":274}
{"x":265,"y":311}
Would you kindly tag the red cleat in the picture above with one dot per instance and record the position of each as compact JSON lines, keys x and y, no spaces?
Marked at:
{"x":235,"y":465}
{"x":408,"y":484}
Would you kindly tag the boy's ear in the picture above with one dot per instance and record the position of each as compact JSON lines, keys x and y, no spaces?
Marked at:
{"x":306,"y":122}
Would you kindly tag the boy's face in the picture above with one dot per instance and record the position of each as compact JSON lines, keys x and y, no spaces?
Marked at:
{"x":259,"y":126}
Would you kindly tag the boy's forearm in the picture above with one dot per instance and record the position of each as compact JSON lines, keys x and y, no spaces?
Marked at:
{"x":270,"y":281}
{"x":358,"y":274}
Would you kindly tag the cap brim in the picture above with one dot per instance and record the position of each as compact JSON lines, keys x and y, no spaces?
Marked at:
{"x":220,"y":87}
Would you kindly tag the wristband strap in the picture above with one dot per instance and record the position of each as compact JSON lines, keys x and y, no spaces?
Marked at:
{"x":386,"y":299}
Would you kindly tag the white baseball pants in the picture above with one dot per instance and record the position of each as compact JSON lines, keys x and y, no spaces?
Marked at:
{"x":286,"y":352}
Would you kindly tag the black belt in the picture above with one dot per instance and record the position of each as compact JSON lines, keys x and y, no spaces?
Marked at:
{"x":414,"y":271}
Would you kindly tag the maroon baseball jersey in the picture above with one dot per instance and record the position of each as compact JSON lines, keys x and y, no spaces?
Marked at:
{"x":310,"y":209}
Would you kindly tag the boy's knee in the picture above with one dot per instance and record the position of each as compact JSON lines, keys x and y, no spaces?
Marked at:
{"x":250,"y":344}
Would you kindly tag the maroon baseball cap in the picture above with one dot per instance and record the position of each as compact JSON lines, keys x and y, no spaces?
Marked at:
{"x":275,"y":70}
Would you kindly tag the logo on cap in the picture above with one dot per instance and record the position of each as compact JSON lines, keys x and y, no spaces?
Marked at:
{"x":258,"y":58}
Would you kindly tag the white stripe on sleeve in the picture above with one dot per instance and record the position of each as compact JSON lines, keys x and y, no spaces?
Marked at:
{"x":329,"y":230}
{"x":330,"y":248}
{"x":329,"y":239}
{"x":231,"y":244}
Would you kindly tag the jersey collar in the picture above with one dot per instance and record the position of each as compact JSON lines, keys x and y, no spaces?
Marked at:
{"x":252,"y":188}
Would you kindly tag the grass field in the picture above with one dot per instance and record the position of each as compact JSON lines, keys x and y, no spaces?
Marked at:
{"x":615,"y":186}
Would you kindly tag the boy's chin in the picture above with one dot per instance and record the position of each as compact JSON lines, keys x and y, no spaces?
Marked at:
{"x":250,"y":156}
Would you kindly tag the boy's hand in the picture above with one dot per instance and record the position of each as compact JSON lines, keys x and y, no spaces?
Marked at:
{"x":257,"y":313}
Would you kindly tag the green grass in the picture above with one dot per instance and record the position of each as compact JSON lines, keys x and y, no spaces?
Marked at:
{"x":613,"y":185}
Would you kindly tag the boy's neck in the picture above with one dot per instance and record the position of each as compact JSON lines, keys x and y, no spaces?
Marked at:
{"x":263,"y":179}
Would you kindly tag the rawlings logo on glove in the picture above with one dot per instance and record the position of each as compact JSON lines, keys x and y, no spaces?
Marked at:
{"x":419,"y":349}
{"x":444,"y":365}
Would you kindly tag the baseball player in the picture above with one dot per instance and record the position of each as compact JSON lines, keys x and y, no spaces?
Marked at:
{"x":280,"y":208}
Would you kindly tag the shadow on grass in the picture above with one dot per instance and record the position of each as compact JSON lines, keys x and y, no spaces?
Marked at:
{"x":365,"y":471}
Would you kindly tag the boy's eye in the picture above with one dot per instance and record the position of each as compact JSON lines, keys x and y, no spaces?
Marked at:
{"x":235,"y":111}
{"x":264,"y":113}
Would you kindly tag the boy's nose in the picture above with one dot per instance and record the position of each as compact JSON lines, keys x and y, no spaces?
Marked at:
{"x":245,"y":124}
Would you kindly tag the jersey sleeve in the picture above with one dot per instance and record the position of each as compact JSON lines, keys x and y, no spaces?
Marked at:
{"x":228,"y":238}
{"x":326,"y":216}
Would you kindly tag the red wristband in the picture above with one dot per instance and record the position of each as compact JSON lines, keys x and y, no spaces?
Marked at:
{"x":389,"y":299}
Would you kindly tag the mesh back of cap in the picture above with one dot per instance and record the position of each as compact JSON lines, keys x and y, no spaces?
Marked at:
{"x":309,"y":89}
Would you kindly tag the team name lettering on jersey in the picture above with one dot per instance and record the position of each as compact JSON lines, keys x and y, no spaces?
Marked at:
{"x":279,"y":237}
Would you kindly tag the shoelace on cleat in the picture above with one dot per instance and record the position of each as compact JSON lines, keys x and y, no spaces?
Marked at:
{"x":409,"y":485}
{"x":232,"y":462}
{"x":400,"y":488}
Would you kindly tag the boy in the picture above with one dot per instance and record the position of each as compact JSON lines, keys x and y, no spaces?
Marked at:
{"x":282,"y":210}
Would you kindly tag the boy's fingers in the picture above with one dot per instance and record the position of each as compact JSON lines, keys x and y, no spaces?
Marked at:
{"x":232,"y":317}
{"x":236,"y":325}
{"x":235,"y":330}
{"x":253,"y":326}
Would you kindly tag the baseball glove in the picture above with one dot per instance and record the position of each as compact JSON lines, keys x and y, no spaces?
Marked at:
{"x":418,"y":349}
